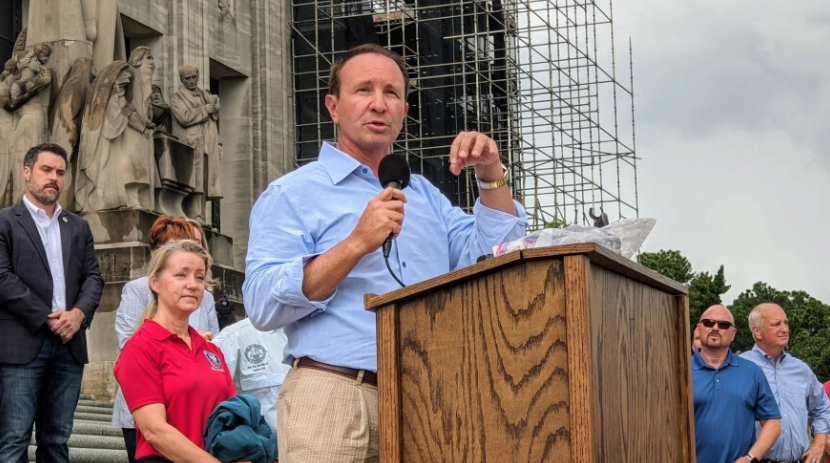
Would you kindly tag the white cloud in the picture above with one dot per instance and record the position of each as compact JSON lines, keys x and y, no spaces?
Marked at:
{"x":733,"y":125}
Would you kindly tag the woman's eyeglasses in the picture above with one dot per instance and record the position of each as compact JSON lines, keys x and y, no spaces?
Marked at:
{"x":722,"y":324}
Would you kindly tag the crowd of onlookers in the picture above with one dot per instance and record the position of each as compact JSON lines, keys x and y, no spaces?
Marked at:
{"x":180,"y":366}
{"x":763,"y":405}
{"x":320,"y":238}
{"x":185,"y":356}
{"x":339,"y":234}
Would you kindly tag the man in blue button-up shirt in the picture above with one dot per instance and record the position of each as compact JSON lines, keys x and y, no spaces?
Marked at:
{"x":799,"y":394}
{"x":314,"y":251}
{"x":730,"y":394}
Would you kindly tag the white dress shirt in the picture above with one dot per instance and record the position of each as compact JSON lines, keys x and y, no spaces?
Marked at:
{"x":50,"y":234}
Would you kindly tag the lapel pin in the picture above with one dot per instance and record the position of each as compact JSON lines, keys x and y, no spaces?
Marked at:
{"x":64,"y":220}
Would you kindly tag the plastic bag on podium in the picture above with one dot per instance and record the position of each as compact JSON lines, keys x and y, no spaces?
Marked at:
{"x":624,"y":236}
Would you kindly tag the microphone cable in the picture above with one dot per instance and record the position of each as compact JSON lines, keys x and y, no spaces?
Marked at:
{"x":386,"y":250}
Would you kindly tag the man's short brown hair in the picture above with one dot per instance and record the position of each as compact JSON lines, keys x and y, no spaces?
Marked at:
{"x":334,"y":75}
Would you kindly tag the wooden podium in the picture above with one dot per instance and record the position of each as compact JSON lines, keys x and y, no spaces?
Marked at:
{"x":562,"y":354}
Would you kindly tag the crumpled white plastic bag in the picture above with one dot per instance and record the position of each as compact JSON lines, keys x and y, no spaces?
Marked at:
{"x":624,"y":236}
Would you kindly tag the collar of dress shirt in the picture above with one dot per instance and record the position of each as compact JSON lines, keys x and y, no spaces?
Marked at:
{"x":698,"y":363}
{"x":34,"y":210}
{"x":763,"y":354}
{"x":337,"y":163}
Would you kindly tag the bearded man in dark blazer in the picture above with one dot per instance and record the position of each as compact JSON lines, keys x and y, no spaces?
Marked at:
{"x":50,"y":286}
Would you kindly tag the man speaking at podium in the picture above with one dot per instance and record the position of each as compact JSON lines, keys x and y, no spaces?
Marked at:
{"x":315,"y":250}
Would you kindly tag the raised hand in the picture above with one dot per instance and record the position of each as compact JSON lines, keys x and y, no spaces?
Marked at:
{"x":474,"y":149}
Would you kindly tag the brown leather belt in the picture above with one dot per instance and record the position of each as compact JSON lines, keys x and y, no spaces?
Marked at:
{"x":369,"y":377}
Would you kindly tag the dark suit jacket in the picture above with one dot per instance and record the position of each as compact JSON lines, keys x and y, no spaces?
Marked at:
{"x":26,"y":283}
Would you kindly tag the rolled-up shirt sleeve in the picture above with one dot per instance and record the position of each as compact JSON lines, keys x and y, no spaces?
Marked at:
{"x":279,"y":246}
{"x":472,"y":236}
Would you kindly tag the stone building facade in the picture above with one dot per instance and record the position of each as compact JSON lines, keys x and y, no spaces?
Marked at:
{"x":242,"y":51}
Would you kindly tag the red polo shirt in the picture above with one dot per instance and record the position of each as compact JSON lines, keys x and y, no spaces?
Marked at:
{"x":157,"y":367}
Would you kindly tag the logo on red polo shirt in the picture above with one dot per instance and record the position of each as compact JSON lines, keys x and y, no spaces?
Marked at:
{"x":214,"y":360}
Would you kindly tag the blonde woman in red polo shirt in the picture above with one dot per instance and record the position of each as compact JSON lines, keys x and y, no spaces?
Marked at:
{"x":172,"y":378}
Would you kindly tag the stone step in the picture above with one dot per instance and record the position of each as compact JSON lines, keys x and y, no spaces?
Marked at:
{"x":80,"y":455}
{"x":91,"y":403}
{"x":93,"y":442}
{"x":93,"y":417}
{"x":91,"y":409}
{"x":95,"y":428}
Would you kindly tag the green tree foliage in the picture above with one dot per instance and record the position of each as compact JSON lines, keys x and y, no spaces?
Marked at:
{"x":670,"y":263}
{"x":809,"y":324}
{"x":705,"y":290}
{"x":557,"y":223}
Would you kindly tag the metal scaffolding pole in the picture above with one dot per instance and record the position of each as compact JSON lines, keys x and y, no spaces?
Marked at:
{"x":538,"y":76}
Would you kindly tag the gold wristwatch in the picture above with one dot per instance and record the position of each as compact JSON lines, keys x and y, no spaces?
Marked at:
{"x":495,"y":184}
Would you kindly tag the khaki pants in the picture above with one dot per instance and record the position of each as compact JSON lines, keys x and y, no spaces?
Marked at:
{"x":327,"y":417}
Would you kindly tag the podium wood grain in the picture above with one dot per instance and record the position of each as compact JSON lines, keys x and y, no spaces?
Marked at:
{"x":566,"y":356}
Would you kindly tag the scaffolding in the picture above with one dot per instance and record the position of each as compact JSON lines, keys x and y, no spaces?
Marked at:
{"x":538,"y":76}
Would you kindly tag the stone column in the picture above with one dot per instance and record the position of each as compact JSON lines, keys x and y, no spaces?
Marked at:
{"x":272,"y":152}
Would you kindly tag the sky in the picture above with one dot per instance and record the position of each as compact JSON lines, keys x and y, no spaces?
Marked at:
{"x":733,"y":123}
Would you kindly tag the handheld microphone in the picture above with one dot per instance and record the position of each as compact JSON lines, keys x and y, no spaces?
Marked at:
{"x":393,"y":171}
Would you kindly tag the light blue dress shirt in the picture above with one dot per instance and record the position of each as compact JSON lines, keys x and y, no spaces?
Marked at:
{"x":800,"y":396}
{"x":50,"y":235}
{"x":310,"y":210}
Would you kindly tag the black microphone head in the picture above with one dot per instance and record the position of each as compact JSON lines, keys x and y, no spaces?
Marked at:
{"x":394,"y":171}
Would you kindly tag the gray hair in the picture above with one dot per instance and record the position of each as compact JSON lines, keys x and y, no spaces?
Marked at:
{"x":755,"y":317}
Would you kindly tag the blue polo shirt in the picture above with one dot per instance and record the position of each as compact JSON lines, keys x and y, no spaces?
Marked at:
{"x":727,"y":403}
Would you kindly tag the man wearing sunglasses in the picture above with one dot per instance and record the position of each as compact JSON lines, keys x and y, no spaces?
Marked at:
{"x":730,"y":394}
{"x":799,"y":394}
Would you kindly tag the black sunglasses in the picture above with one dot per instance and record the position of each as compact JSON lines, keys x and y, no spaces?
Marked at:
{"x":722,"y":324}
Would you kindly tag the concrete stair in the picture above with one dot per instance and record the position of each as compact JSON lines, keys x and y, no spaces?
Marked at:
{"x":93,"y":439}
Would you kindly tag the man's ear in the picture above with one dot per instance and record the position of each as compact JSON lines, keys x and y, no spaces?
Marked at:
{"x":331,"y":105}
{"x":27,"y":172}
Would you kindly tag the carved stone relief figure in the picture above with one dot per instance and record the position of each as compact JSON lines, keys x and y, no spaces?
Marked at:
{"x":30,"y":70}
{"x":226,"y":11}
{"x":160,"y":111}
{"x":7,"y":77}
{"x":195,"y":112}
{"x":30,"y":102}
{"x":102,"y":23}
{"x":82,"y":28}
{"x":19,"y":44}
{"x":113,"y":172}
{"x":66,"y":125}
{"x":143,"y":66}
